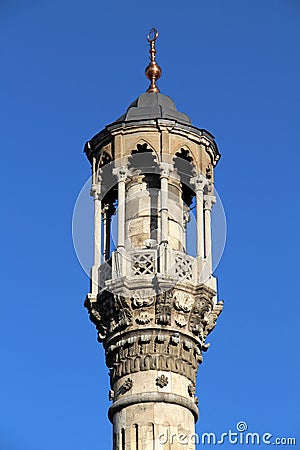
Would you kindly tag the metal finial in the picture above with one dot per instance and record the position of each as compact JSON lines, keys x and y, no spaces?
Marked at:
{"x":153,"y":71}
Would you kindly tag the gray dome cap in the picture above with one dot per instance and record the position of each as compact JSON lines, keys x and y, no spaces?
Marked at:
{"x":153,"y":105}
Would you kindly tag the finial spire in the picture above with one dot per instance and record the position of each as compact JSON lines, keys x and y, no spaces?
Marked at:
{"x":153,"y":71}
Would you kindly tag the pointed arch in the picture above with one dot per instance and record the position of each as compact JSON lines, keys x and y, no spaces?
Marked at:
{"x":142,"y":145}
{"x":106,"y":156}
{"x":184,"y":163}
{"x":143,"y":156}
{"x":184,"y":152}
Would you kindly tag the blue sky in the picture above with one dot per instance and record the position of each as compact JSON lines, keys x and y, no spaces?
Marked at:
{"x":68,"y":69}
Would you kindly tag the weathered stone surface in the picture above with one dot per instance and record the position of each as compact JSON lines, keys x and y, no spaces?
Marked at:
{"x":162,"y":332}
{"x":153,"y":304}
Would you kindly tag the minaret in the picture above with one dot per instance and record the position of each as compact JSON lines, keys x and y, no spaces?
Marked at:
{"x":153,"y":304}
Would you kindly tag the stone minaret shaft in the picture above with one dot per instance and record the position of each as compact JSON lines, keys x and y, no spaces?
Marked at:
{"x":153,"y":304}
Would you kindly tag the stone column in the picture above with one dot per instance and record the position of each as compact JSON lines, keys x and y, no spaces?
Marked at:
{"x":186,"y":220}
{"x":95,"y":192}
{"x":157,"y":425}
{"x":107,"y":211}
{"x":164,"y":183}
{"x":199,"y":182}
{"x":121,"y":173}
{"x":164,"y":216}
{"x":209,"y":201}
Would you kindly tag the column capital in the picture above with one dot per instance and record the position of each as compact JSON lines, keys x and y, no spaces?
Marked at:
{"x":209,"y":201}
{"x":96,"y":191}
{"x":165,"y":169}
{"x":199,"y":182}
{"x":99,"y":176}
{"x":186,"y":217}
{"x":120,"y":172}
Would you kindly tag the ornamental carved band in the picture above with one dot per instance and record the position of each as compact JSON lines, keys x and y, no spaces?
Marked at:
{"x":162,"y":332}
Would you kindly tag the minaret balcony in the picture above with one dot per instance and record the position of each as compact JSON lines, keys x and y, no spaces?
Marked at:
{"x":148,"y":263}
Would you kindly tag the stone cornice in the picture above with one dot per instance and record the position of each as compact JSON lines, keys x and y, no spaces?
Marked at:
{"x":162,"y":282}
{"x":190,"y":132}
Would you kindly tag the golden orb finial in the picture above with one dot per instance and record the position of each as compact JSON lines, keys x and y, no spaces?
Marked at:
{"x":153,"y":71}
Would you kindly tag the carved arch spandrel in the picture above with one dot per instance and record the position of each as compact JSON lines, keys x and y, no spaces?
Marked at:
{"x":140,"y":142}
{"x":183,"y":151}
{"x":150,"y":147}
{"x":106,"y":156}
{"x":207,"y":165}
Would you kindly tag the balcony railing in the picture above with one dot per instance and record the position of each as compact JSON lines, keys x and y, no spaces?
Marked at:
{"x":147,"y":263}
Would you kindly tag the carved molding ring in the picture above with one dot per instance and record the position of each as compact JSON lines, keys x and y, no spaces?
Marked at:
{"x":151,"y":397}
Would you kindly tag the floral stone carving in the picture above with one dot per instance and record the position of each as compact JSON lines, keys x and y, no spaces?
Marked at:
{"x":142,"y":298}
{"x":143,"y":318}
{"x":191,"y":389}
{"x":126,"y":386}
{"x":163,"y":308}
{"x":183,"y":301}
{"x":162,"y":381}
